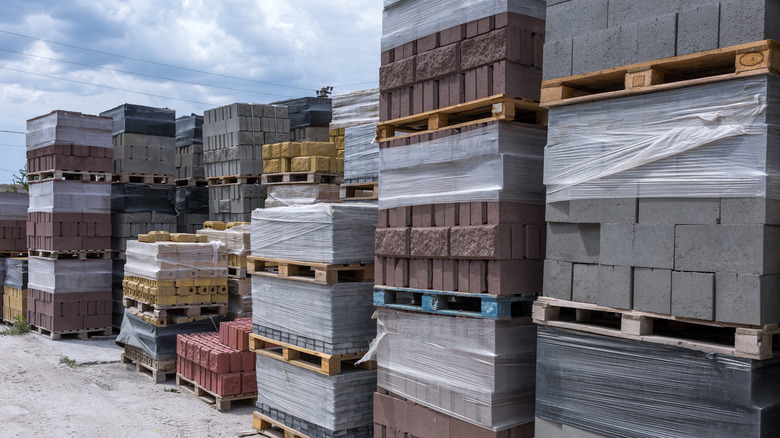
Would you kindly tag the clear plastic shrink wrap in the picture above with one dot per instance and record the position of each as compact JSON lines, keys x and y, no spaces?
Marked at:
{"x":355,"y":108}
{"x":13,"y":206}
{"x":69,"y":275}
{"x":70,"y":197}
{"x":477,"y":370}
{"x":235,"y":238}
{"x":628,"y":389}
{"x":66,"y":127}
{"x":282,"y":195}
{"x":361,"y":153}
{"x":710,"y":140}
{"x":15,"y":273}
{"x":407,"y":20}
{"x":324,"y":233}
{"x":176,"y":260}
{"x":497,"y":162}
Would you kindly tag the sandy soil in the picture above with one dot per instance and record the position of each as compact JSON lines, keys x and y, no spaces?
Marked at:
{"x":99,"y":397}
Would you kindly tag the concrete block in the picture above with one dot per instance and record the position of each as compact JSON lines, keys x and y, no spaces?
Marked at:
{"x":585,"y":281}
{"x":653,"y":290}
{"x":653,"y":246}
{"x":740,"y":211}
{"x":557,"y":279}
{"x":557,"y":211}
{"x":679,"y":211}
{"x":613,"y":211}
{"x":747,"y":298}
{"x":616,"y":245}
{"x":392,"y":242}
{"x":481,"y":242}
{"x":573,"y":242}
{"x":693,"y":295}
{"x":698,"y":28}
{"x":614,"y":286}
{"x":429,"y":242}
{"x":656,"y":37}
{"x":746,"y":249}
{"x":576,"y":17}
{"x":630,"y":11}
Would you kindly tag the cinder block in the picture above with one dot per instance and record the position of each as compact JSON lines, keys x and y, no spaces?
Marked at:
{"x":481,"y":242}
{"x":653,"y":290}
{"x":585,"y":281}
{"x":745,"y":249}
{"x":698,"y":28}
{"x":653,"y":246}
{"x":614,"y":211}
{"x":557,"y":279}
{"x":614,"y":286}
{"x":747,"y":299}
{"x":573,"y":242}
{"x":557,"y":211}
{"x":437,"y":63}
{"x":392,"y":242}
{"x":575,"y":17}
{"x":740,"y":211}
{"x":679,"y":211}
{"x":429,"y":242}
{"x":616,"y":245}
{"x":693,"y":295}
{"x":656,"y":37}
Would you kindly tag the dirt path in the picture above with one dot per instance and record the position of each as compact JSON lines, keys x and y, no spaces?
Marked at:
{"x":45,"y":398}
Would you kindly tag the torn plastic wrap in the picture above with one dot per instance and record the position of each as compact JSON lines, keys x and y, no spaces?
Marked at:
{"x":324,"y":233}
{"x":176,"y":260}
{"x":334,"y":403}
{"x":407,"y":20}
{"x":361,"y":154}
{"x":134,"y":198}
{"x":497,"y":162}
{"x":282,"y":195}
{"x":701,"y":141}
{"x":69,"y":275}
{"x":625,"y":388}
{"x":70,"y":197}
{"x":478,"y":370}
{"x":308,"y":111}
{"x":192,"y":200}
{"x":335,"y":319}
{"x":16,"y":273}
{"x":159,"y":343}
{"x":66,"y":127}
{"x":189,"y":130}
{"x":355,"y":108}
{"x":235,"y":238}
{"x":13,"y":206}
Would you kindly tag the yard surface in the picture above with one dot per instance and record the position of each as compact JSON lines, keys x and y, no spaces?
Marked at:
{"x":92,"y":394}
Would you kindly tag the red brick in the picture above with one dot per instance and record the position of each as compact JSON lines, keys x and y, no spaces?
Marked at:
{"x":515,"y":213}
{"x":229,"y":384}
{"x":248,"y":360}
{"x":236,"y":361}
{"x":248,"y":382}
{"x":515,"y":276}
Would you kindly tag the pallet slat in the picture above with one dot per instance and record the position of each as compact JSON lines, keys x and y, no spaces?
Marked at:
{"x":157,"y":370}
{"x":233,"y":179}
{"x":67,"y":175}
{"x":357,"y":191}
{"x":143,"y":178}
{"x":222,"y":403}
{"x":315,"y":177}
{"x":323,"y":363}
{"x":263,"y":423}
{"x":320,"y":273}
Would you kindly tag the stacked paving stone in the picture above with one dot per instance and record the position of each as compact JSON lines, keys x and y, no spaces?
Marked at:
{"x":14,"y":302}
{"x":13,"y":222}
{"x":302,"y":172}
{"x":309,"y":117}
{"x":189,"y":150}
{"x":69,"y":226}
{"x":332,"y":318}
{"x":660,"y":202}
{"x":461,"y":211}
{"x":233,"y":138}
{"x":235,"y":236}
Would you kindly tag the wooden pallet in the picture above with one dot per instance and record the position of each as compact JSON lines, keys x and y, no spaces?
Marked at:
{"x":191,"y":182}
{"x":158,"y":370}
{"x":754,"y":342}
{"x":320,"y":273}
{"x":74,"y":255}
{"x":233,"y":179}
{"x":67,"y":175}
{"x":78,"y":334}
{"x":317,"y":177}
{"x":761,"y":57}
{"x":367,"y":191}
{"x":237,"y":272}
{"x":162,"y":316}
{"x":272,"y":428}
{"x":323,"y":363}
{"x":222,"y":403}
{"x":497,"y":107}
{"x":454,"y":303}
{"x":143,"y":178}
{"x":13,"y":254}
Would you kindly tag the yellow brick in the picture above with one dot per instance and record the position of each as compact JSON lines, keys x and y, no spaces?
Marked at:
{"x":146,"y":238}
{"x":214,"y":225}
{"x":183,"y":237}
{"x":340,"y":154}
{"x":290,"y":149}
{"x":272,"y":165}
{"x":202,"y":238}
{"x":340,"y":165}
{"x":285,"y":165}
{"x":268,"y":151}
{"x":311,"y":164}
{"x":320,"y":148}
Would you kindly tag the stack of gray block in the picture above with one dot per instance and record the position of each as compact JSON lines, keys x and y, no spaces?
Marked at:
{"x":235,"y":202}
{"x":589,"y":35}
{"x":358,"y":113}
{"x":688,"y":224}
{"x":192,"y":208}
{"x":314,"y":404}
{"x":189,"y":148}
{"x":309,"y":118}
{"x":144,"y":140}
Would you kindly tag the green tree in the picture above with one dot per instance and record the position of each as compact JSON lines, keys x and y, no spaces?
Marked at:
{"x":20,"y":179}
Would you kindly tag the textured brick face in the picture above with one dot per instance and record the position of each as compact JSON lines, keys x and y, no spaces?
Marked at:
{"x":392,"y":242}
{"x":486,"y":241}
{"x":439,"y":62}
{"x":430,"y":242}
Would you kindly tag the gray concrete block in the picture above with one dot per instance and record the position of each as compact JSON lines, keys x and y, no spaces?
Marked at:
{"x":693,"y":295}
{"x":616,"y":246}
{"x":556,"y":211}
{"x":698,"y":28}
{"x":605,"y":48}
{"x":557,"y":279}
{"x":614,"y":286}
{"x":557,"y":59}
{"x":575,"y":17}
{"x":612,"y":211}
{"x":653,"y":290}
{"x":656,"y":37}
{"x":585,"y":282}
{"x":747,"y":298}
{"x":688,"y":211}
{"x":740,"y":211}
{"x":631,"y":11}
{"x":746,"y":249}
{"x":653,"y":246}
{"x":573,"y":242}
{"x":742,"y":21}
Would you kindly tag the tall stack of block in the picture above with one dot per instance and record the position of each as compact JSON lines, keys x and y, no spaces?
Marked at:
{"x":662,"y":220}
{"x":235,"y":236}
{"x":312,"y":318}
{"x":192,"y":195}
{"x":14,"y":305}
{"x":460,"y":239}
{"x":302,"y":172}
{"x":69,"y":225}
{"x":233,"y":157}
{"x":309,"y":117}
{"x":13,"y":222}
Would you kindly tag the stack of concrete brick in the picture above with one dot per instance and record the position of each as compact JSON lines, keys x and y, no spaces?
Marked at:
{"x":219,"y":362}
{"x":309,"y":117}
{"x":14,"y":302}
{"x":329,"y":317}
{"x":302,"y":172}
{"x":144,"y":143}
{"x":69,"y":230}
{"x":235,"y":236}
{"x":233,"y":138}
{"x":13,"y":221}
{"x":355,"y":116}
{"x":192,"y":208}
{"x":189,"y":150}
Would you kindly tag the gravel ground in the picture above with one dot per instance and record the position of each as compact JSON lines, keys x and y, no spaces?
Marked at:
{"x":99,"y":396}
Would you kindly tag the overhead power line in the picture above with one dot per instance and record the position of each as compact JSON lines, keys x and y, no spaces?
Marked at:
{"x":12,"y":132}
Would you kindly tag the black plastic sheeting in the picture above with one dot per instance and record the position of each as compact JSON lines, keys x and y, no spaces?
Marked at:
{"x":623,"y":388}
{"x":159,"y":343}
{"x":192,"y":200}
{"x":16,"y":273}
{"x":189,"y":130}
{"x":139,"y":119}
{"x":137,"y":197}
{"x":308,"y":111}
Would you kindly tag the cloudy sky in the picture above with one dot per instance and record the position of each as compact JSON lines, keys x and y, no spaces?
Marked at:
{"x":189,"y":55}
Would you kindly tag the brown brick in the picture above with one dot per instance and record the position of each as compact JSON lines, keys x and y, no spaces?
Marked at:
{"x":464,"y":216}
{"x":463,"y":275}
{"x":437,"y":274}
{"x":392,"y":242}
{"x":478,"y":276}
{"x":387,"y":57}
{"x":430,"y":95}
{"x":481,"y":242}
{"x":501,"y":20}
{"x":420,"y":273}
{"x":521,"y":80}
{"x":485,"y":25}
{"x":427,"y":43}
{"x":470,"y":85}
{"x":422,"y":215}
{"x":437,"y":63}
{"x":429,"y":242}
{"x":472,"y":29}
{"x":534,"y":238}
{"x":400,"y":217}
{"x":518,"y":241}
{"x":452,"y":35}
{"x":507,"y":277}
{"x":382,"y":219}
{"x":406,"y":102}
{"x":485,"y":81}
{"x":505,"y":212}
{"x":478,"y":213}
{"x":417,"y":99}
{"x":401,"y":273}
{"x":455,"y":86}
{"x":450,"y":274}
{"x":397,"y":74}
